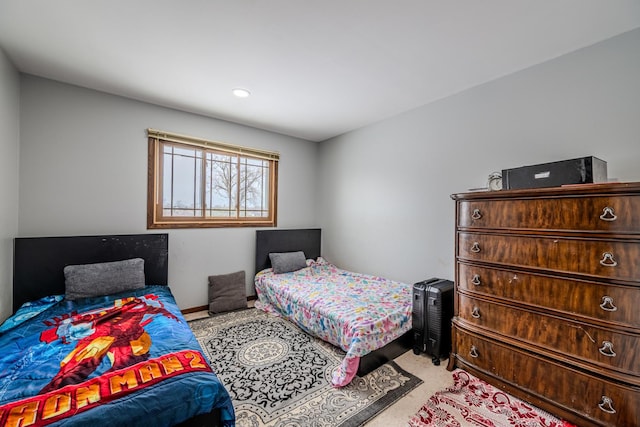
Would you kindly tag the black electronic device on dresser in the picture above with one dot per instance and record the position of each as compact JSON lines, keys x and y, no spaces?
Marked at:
{"x":585,"y":170}
{"x":431,"y":317}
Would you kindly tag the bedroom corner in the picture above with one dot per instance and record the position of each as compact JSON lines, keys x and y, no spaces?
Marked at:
{"x":9,"y":155}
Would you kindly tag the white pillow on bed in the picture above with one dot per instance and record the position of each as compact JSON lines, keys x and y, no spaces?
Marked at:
{"x":286,"y":262}
{"x":105,"y":278}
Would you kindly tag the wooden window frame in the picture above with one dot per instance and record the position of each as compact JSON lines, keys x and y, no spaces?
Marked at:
{"x":156,"y":218}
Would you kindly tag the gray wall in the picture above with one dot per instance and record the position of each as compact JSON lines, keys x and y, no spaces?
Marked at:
{"x":9,"y":143}
{"x":83,"y":170}
{"x":385,"y":189}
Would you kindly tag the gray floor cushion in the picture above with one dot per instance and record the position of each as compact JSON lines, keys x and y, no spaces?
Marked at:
{"x":227,"y":292}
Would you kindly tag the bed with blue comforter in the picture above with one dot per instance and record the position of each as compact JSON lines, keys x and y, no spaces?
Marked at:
{"x":97,"y":339}
{"x":124,"y":359}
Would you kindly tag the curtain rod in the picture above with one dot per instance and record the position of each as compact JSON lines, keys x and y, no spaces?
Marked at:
{"x":201,"y":142}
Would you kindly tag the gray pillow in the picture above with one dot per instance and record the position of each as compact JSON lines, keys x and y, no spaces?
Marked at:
{"x":227,"y":292}
{"x":105,"y":278}
{"x":285,"y":262}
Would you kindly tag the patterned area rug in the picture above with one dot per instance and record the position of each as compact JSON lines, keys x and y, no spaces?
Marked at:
{"x":472,"y":402}
{"x":277,"y":375}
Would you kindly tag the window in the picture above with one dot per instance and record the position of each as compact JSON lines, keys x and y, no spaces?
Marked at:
{"x":199,"y":183}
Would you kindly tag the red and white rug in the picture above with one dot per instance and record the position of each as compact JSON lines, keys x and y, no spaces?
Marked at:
{"x":472,"y":402}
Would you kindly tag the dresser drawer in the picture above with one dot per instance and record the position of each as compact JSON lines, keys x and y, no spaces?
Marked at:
{"x":620,"y":214}
{"x":595,"y":398}
{"x":483,"y":353}
{"x":607,"y":348}
{"x":611,"y":259}
{"x":599,"y":301}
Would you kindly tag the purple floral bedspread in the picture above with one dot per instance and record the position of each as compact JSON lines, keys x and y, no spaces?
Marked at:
{"x":356,"y":312}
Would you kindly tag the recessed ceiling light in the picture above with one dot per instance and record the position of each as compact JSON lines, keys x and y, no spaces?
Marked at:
{"x":240,"y":92}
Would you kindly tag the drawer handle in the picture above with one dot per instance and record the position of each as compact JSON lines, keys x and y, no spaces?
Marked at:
{"x":475,"y":247}
{"x":474,"y":353}
{"x":476,"y":279}
{"x":606,"y":404}
{"x":607,"y":260}
{"x":608,"y":215}
{"x":475,"y":313}
{"x":607,"y":304}
{"x":476,"y":214}
{"x":607,"y":349}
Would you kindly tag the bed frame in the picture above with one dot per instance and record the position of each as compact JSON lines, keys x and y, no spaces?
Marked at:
{"x":309,"y":241}
{"x":38,"y":264}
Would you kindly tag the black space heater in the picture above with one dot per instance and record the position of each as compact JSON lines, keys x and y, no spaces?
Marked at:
{"x":431,"y":316}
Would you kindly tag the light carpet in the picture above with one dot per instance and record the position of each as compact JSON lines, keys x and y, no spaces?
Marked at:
{"x":473,"y":402}
{"x":278,"y":375}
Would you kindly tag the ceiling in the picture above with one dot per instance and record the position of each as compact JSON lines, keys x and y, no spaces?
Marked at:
{"x":316,"y":69}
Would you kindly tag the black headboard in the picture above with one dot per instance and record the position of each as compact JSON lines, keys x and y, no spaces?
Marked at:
{"x":307,"y":240}
{"x":38,"y":262}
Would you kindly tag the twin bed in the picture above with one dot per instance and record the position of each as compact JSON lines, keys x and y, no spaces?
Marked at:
{"x":97,"y":338}
{"x":102,"y":352}
{"x":368,"y":317}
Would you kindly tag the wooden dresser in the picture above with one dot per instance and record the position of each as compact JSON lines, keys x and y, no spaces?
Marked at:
{"x":547,"y":300}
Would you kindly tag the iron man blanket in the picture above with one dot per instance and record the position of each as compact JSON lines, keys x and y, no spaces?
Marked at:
{"x":125,"y":359}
